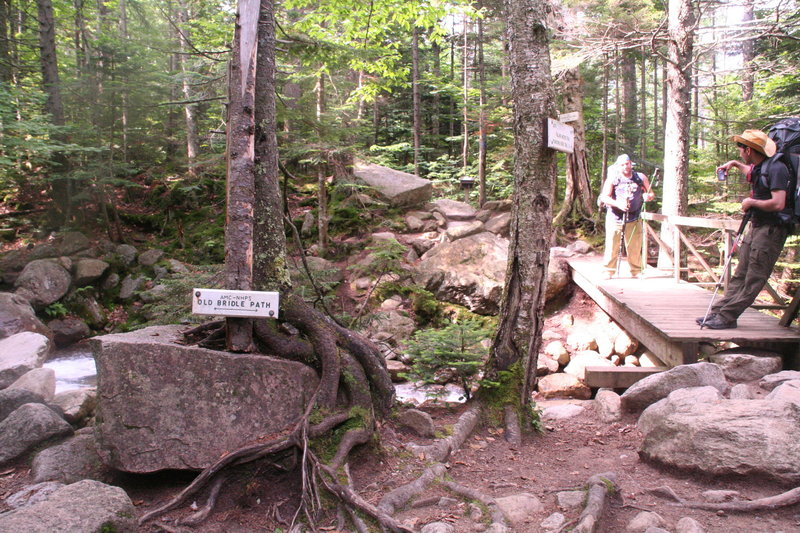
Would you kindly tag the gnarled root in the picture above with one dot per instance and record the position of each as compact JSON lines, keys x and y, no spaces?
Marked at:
{"x":599,"y":486}
{"x":784,"y":499}
{"x":441,"y":450}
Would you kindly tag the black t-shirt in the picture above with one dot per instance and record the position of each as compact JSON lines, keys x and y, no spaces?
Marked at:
{"x":627,"y":187}
{"x":776,"y":178}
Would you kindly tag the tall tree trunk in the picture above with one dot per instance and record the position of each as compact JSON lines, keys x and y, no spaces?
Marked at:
{"x":655,"y":102}
{"x":748,"y":53}
{"x":322,"y":186}
{"x":604,"y":170}
{"x":189,"y":109}
{"x":465,"y":97}
{"x":436,"y":52}
{"x":415,"y":98}
{"x":270,"y":267}
{"x":53,"y":106}
{"x":521,"y":316}
{"x":481,"y":119}
{"x":643,"y":113}
{"x":239,"y":223}
{"x":578,"y":188}
{"x":629,"y":139}
{"x":5,"y":52}
{"x":619,"y":146}
{"x":124,"y":111}
{"x":676,"y":134}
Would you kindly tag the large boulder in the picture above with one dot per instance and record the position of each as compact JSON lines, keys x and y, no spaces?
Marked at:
{"x":83,"y":507}
{"x":704,"y":432}
{"x":162,"y":405}
{"x":41,"y":381}
{"x":42,"y":282}
{"x":658,"y":386}
{"x":28,"y":426}
{"x":17,"y":315}
{"x":396,"y":187}
{"x":20,"y":353}
{"x":87,"y":271}
{"x":73,"y":460}
{"x":740,"y":365}
{"x":469,"y":272}
{"x":454,"y":210}
{"x":11,"y":399}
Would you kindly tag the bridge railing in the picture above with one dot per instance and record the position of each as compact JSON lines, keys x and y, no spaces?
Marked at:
{"x":680,"y":242}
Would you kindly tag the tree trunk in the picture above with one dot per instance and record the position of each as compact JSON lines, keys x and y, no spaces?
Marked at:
{"x":578,"y":189}
{"x":415,"y":98}
{"x":604,"y":170}
{"x":521,"y":316}
{"x":239,"y":223}
{"x":629,"y":138}
{"x":643,"y":112}
{"x":322,"y":187}
{"x":436,"y":52}
{"x":5,"y":53}
{"x":53,"y":105}
{"x":748,"y":53}
{"x":676,"y":132}
{"x":189,"y":109}
{"x":270,"y":266}
{"x":481,"y":119}
{"x":465,"y":97}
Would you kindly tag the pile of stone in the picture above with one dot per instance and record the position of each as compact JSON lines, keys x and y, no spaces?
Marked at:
{"x":85,"y":278}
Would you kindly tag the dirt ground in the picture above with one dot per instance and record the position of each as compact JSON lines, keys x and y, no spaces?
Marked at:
{"x":562,"y":457}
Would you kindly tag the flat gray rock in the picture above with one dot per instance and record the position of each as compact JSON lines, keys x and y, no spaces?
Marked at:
{"x":396,"y":187}
{"x":83,"y":507}
{"x":658,"y":386}
{"x":27,"y":426}
{"x":163,"y":405}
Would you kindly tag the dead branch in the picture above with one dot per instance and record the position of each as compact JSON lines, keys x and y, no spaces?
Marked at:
{"x":441,"y":449}
{"x":770,"y":503}
{"x":497,"y":515}
{"x":198,"y":517}
{"x":350,"y":497}
{"x":397,"y":498}
{"x":513,"y":432}
{"x":600,"y":486}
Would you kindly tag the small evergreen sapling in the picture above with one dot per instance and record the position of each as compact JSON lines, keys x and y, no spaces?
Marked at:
{"x":455,"y":349}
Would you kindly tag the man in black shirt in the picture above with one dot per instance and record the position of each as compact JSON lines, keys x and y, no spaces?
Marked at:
{"x":769,"y":180}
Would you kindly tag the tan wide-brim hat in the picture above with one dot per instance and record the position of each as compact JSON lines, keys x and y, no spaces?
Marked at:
{"x":757,"y":140}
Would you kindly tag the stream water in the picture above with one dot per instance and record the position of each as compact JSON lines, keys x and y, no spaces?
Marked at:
{"x":74,"y":367}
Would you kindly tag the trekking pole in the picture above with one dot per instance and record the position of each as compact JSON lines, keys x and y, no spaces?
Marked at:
{"x":736,"y":242}
{"x":622,"y":240}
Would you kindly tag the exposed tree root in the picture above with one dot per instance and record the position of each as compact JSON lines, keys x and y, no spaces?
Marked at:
{"x":784,"y":499}
{"x":441,"y":450}
{"x":202,"y":513}
{"x":599,"y":487}
{"x":513,"y":431}
{"x":400,"y":496}
{"x":497,"y":515}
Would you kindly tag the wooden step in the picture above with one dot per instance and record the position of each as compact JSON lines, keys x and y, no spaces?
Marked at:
{"x":617,"y":377}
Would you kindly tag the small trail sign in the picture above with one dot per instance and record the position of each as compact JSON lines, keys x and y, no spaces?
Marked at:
{"x":560,"y":136}
{"x":259,"y":304}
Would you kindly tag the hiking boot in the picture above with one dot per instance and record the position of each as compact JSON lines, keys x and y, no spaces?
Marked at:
{"x":699,"y":320}
{"x":719,"y":322}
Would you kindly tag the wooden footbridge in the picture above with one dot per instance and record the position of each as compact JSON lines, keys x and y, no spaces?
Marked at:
{"x":660,"y":312}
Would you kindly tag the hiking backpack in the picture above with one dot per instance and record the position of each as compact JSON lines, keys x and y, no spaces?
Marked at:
{"x":786,"y":134}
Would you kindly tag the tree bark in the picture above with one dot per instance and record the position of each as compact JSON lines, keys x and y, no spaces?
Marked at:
{"x":415,"y":98}
{"x":629,"y":134}
{"x":748,"y":53}
{"x":481,"y":119}
{"x":270,"y":267}
{"x":53,"y":106}
{"x":521,"y":316}
{"x":578,"y":191}
{"x":189,"y":109}
{"x":5,"y":54}
{"x":239,"y":222}
{"x":676,"y":132}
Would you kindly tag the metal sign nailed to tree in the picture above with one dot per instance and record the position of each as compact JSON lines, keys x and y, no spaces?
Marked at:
{"x":257,"y":304}
{"x":560,"y":136}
